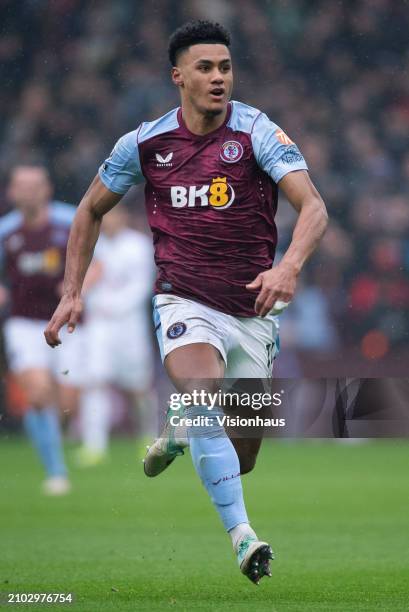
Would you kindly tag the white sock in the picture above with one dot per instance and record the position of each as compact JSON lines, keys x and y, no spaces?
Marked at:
{"x":239,"y":531}
{"x":96,"y":418}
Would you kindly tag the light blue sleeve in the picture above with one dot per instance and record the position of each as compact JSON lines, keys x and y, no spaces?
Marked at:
{"x":8,"y":224}
{"x":122,"y":168}
{"x":275,"y":153}
{"x":62,"y":213}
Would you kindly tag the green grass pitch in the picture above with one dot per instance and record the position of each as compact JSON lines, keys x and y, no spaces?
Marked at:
{"x":337,"y":516}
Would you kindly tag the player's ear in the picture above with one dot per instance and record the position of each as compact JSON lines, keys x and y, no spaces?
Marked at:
{"x":177,"y":76}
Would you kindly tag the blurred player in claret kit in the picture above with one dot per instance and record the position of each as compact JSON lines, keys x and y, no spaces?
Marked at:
{"x":33,"y":240}
{"x":212,"y":170}
{"x":117,"y":334}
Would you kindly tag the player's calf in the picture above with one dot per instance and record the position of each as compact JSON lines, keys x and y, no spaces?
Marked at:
{"x":247,"y":450}
{"x":247,"y":464}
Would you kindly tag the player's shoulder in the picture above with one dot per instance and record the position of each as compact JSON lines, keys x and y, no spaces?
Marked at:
{"x":61,"y":213}
{"x":129,"y":142}
{"x":246,"y":118}
{"x":165,"y":123}
{"x":243,"y":117}
{"x":10,"y":222}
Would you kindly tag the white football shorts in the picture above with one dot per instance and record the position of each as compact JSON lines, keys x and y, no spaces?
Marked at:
{"x":248,"y":345}
{"x":27,"y":349}
{"x":119,"y":352}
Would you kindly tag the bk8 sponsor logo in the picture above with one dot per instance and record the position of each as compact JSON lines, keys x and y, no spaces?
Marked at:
{"x":219,"y":194}
{"x":42,"y":262}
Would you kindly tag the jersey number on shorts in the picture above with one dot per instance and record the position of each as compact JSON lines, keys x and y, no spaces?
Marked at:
{"x":270,"y":360}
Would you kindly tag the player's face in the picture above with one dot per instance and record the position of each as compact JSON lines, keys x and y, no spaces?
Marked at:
{"x":29,"y":189}
{"x":205,"y":78}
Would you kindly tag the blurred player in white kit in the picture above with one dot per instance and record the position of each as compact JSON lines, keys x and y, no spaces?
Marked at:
{"x":119,"y":349}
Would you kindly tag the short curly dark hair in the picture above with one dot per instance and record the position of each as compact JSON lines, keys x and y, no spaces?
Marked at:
{"x":196,"y":32}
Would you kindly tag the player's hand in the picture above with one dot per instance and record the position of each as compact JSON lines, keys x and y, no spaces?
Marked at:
{"x":68,"y":311}
{"x":277,"y":284}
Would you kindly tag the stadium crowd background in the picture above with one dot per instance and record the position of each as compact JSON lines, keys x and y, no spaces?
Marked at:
{"x":334,"y":75}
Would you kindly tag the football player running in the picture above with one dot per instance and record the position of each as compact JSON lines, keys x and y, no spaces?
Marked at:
{"x":33,"y":240}
{"x":212,"y":168}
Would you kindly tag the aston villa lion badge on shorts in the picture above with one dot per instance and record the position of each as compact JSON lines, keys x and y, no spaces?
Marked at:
{"x":176,"y":330}
{"x":231,"y":151}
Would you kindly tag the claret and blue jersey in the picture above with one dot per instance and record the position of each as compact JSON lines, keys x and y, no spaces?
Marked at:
{"x":33,"y":260}
{"x":211,"y":200}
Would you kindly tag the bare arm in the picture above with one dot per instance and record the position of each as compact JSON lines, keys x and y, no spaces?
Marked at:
{"x":279,"y":283}
{"x":312,"y":221}
{"x":84,"y":233}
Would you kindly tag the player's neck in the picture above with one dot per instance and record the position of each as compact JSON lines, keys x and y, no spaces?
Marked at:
{"x":199,"y":123}
{"x":36,"y":218}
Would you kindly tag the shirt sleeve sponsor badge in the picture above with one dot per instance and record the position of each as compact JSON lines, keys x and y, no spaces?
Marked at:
{"x":283,"y":138}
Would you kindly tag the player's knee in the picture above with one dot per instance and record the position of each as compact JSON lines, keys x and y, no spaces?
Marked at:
{"x":247,"y":463}
{"x":39,"y":395}
{"x":68,"y":400}
{"x":37,"y":387}
{"x":203,"y":387}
